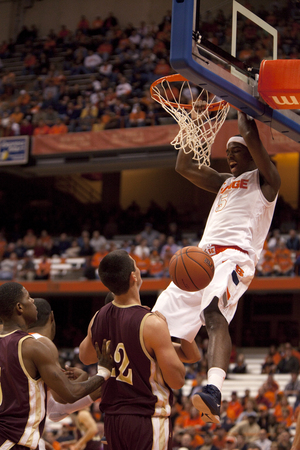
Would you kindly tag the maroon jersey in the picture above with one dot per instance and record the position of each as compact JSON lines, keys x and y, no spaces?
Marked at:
{"x":136,"y":385}
{"x":22,"y":399}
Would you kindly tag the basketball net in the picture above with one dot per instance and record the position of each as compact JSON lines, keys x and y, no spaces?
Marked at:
{"x":199,"y":120}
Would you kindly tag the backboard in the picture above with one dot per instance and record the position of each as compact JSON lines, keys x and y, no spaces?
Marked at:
{"x":218,"y":69}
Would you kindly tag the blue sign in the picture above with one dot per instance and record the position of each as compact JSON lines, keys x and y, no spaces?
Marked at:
{"x":14,"y":150}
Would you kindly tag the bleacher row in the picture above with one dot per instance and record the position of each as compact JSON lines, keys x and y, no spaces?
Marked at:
{"x":252,"y":380}
{"x":64,"y":267}
{"x":16,"y":65}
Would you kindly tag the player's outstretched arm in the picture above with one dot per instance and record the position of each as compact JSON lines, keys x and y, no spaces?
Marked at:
{"x":188,"y":352}
{"x":159,"y":345}
{"x":88,"y":424}
{"x":205,"y":177}
{"x":248,"y":129}
{"x":87,"y":352}
{"x":37,"y":356}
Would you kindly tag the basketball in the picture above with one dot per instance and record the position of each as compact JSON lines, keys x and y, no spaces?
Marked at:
{"x":191,"y":269}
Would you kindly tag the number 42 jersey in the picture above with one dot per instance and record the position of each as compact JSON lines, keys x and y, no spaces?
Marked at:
{"x":136,"y":385}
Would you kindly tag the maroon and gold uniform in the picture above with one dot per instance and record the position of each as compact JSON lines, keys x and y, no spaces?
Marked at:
{"x":22,"y":399}
{"x":135,"y":399}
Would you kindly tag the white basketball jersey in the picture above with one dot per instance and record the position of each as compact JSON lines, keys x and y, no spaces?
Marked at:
{"x":240,"y":215}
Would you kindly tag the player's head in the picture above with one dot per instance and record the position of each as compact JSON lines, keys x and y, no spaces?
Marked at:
{"x":14,"y":298}
{"x":45,"y":315}
{"x":238,"y":156}
{"x":44,"y":311}
{"x":115,"y":270}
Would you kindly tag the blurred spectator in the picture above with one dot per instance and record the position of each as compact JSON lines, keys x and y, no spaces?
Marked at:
{"x":26,"y":128}
{"x":29,"y":64}
{"x":137,"y":117}
{"x":142,"y":250}
{"x":73,"y":251}
{"x":268,"y":366}
{"x":271,"y":388}
{"x":234,"y":407}
{"x":16,"y":115}
{"x":63,"y":34}
{"x":43,"y":269}
{"x":249,"y":427}
{"x":293,"y":241}
{"x":123,"y":88}
{"x":97,"y":25}
{"x":59,"y":127}
{"x":99,"y":255}
{"x":230,"y":443}
{"x":8,"y":267}
{"x":293,"y":386}
{"x":149,"y":233}
{"x":284,"y":265}
{"x":41,"y":129}
{"x":23,"y":99}
{"x":97,"y":241}
{"x":83,"y":25}
{"x":283,"y":410}
{"x":208,"y":442}
{"x":63,"y":244}
{"x":250,"y":406}
{"x":110,"y":22}
{"x":92,"y":61}
{"x":261,"y":398}
{"x":140,"y":254}
{"x":26,"y":270}
{"x":156,"y":268}
{"x":29,"y":239}
{"x":275,"y":240}
{"x":288,"y":363}
{"x":240,"y":366}
{"x":263,"y":441}
{"x":284,"y":441}
{"x":86,"y":248}
{"x":39,"y":248}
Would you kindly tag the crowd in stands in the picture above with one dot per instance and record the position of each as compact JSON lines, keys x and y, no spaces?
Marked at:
{"x":281,"y":255}
{"x":119,"y":64}
{"x":32,"y":256}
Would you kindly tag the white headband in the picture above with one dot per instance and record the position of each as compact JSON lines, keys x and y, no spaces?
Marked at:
{"x":239,"y":139}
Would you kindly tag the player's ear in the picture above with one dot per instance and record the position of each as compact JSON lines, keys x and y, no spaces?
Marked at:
{"x":19,"y":308}
{"x":133,"y":278}
{"x":52,"y":316}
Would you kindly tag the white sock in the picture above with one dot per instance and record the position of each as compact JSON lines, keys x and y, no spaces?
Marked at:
{"x":216,"y":376}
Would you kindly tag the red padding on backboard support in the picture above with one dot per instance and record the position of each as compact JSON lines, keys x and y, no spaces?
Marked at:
{"x":279,"y":83}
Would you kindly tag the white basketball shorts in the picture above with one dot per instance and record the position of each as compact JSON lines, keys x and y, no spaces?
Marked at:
{"x":234,"y":271}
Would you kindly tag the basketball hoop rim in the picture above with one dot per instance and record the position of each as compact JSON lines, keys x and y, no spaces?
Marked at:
{"x":172,"y":79}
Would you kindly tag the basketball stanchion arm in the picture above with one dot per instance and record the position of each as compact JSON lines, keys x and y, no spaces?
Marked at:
{"x":225,"y":85}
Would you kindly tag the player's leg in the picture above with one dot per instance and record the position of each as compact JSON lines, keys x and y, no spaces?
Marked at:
{"x":219,"y":349}
{"x":219,"y":340}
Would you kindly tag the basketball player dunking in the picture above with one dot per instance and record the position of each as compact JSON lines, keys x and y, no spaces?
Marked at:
{"x":234,"y":236}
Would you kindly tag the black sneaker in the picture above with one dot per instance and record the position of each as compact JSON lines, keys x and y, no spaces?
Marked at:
{"x":208,"y":402}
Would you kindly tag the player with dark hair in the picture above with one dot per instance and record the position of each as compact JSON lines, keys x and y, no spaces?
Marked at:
{"x":44,"y":330}
{"x":234,"y":236}
{"x":26,"y":366}
{"x":44,"y":312}
{"x":147,"y":365}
